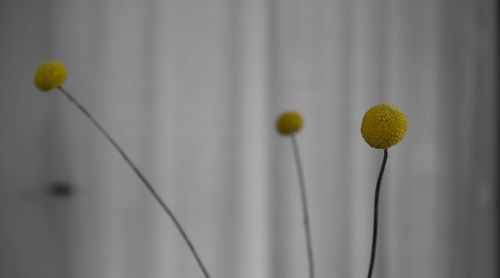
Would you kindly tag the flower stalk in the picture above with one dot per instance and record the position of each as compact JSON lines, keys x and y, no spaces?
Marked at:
{"x":148,"y":185}
{"x":375,"y":214}
{"x":305,"y":213}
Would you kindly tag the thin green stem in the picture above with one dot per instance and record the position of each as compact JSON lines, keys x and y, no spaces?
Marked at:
{"x":303,"y":195}
{"x":141,"y":177}
{"x":375,"y":214}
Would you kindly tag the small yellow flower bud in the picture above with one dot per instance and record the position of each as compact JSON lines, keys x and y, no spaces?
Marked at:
{"x":383,"y":126}
{"x":50,"y":75}
{"x":289,"y":123}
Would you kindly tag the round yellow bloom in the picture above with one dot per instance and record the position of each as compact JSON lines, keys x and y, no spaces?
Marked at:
{"x":383,"y":126}
{"x":50,"y":75}
{"x":289,"y":123}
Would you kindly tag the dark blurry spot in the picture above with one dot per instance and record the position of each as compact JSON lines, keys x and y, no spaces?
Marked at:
{"x":61,"y":189}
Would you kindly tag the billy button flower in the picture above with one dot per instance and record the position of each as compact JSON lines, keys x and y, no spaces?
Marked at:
{"x":383,"y":126}
{"x":288,"y":124}
{"x":51,"y":75}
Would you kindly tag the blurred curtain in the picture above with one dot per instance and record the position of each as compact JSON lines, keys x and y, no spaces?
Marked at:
{"x":191,"y":90}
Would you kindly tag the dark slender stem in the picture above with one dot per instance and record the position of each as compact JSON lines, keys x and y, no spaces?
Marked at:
{"x":303,"y":195}
{"x":141,"y":177}
{"x":375,"y":214}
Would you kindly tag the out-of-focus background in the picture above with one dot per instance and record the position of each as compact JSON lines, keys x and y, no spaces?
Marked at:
{"x":191,"y":89}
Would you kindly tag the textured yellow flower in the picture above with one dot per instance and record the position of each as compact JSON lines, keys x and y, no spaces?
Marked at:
{"x":289,"y":123}
{"x":50,"y":75}
{"x":383,"y":126}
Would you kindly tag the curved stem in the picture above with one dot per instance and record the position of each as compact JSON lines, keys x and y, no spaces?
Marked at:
{"x":307,"y":227}
{"x":141,"y":177}
{"x":375,"y":214}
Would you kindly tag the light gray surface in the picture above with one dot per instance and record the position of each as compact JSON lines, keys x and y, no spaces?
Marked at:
{"x":191,"y":90}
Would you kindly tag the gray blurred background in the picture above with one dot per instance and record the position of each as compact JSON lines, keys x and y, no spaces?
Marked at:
{"x":191,"y":89}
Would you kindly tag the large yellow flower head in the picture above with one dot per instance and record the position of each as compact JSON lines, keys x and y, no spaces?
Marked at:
{"x":383,"y":126}
{"x":289,"y":123}
{"x":50,"y":75}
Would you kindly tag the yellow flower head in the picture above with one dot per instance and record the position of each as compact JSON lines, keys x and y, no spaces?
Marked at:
{"x":289,"y":123}
{"x":50,"y":75}
{"x":383,"y":126}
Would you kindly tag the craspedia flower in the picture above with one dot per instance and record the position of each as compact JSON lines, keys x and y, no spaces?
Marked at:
{"x":50,"y":75}
{"x":383,"y":126}
{"x":289,"y":123}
